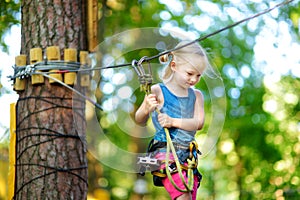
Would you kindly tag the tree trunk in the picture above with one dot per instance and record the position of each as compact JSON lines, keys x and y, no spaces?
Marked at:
{"x":50,"y":150}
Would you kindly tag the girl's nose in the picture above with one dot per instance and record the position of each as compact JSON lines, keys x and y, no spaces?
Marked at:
{"x":193,"y":79}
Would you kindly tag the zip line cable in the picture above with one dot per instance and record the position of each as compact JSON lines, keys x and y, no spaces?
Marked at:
{"x":69,"y":67}
{"x":64,"y":67}
{"x":221,"y":30}
{"x":147,"y":59}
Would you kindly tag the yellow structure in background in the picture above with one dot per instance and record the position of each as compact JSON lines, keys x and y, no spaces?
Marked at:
{"x":99,"y":194}
{"x":12,"y":144}
{"x":92,"y":24}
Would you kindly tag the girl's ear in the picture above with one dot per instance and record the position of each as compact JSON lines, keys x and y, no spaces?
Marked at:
{"x":173,"y":66}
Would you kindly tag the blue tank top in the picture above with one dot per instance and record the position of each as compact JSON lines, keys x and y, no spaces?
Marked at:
{"x":175,"y":107}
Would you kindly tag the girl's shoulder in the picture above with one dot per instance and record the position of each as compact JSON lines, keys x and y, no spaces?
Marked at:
{"x":198,"y":93}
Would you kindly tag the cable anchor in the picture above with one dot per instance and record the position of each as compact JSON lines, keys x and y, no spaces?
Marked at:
{"x":23,"y":72}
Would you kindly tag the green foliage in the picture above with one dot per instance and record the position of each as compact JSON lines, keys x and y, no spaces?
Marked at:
{"x":258,"y":140}
{"x":9,"y":9}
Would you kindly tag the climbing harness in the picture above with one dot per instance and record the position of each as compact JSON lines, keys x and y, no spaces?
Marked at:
{"x":145,"y":79}
{"x":147,"y":163}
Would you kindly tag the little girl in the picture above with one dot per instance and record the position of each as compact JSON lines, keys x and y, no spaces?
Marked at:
{"x":181,"y":110}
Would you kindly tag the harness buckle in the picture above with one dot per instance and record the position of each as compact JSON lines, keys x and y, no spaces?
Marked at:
{"x":172,"y":168}
{"x":147,"y":163}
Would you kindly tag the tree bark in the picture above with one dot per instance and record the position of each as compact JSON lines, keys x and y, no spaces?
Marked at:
{"x":51,"y":149}
{"x":53,"y":22}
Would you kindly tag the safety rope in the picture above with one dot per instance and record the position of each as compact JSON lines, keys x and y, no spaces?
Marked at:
{"x":145,"y":86}
{"x":190,"y":175}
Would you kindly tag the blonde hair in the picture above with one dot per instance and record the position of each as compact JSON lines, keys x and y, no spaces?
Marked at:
{"x":193,"y":54}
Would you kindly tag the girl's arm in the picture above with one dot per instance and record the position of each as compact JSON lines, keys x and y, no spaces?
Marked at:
{"x":189,"y":124}
{"x":149,"y":104}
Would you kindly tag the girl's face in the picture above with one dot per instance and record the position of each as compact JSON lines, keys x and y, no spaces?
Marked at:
{"x":185,"y":75}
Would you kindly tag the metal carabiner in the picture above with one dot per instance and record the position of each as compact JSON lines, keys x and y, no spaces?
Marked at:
{"x":134,"y":64}
{"x":140,"y":65}
{"x":145,"y":79}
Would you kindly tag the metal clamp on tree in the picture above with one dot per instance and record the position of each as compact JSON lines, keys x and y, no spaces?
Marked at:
{"x":63,"y":72}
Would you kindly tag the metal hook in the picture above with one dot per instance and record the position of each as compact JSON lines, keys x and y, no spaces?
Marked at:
{"x":134,"y":64}
{"x":140,"y":64}
{"x":145,"y":79}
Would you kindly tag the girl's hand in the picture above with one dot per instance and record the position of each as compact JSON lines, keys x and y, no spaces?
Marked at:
{"x":164,"y":120}
{"x":150,"y":102}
